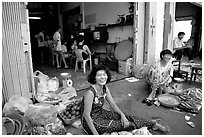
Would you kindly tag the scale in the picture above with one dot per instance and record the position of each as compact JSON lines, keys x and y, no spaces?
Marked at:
{"x":67,"y":82}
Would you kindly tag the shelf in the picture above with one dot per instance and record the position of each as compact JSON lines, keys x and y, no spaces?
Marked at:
{"x":118,"y":25}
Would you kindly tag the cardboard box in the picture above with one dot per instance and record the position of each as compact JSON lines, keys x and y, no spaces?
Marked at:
{"x":125,"y":67}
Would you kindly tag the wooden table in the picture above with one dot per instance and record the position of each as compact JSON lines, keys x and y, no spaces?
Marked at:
{"x":194,"y":71}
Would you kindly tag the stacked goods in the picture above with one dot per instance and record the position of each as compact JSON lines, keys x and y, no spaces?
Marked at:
{"x":71,"y":112}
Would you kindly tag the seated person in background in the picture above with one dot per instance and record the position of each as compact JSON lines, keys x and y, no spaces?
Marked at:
{"x":81,"y":45}
{"x":178,"y":46}
{"x":73,"y":56}
{"x":159,"y":75}
{"x":74,"y":46}
{"x":64,"y":46}
{"x":96,"y":120}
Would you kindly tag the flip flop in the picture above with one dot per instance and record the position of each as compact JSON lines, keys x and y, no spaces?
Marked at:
{"x":58,"y":67}
{"x":150,"y":102}
{"x":144,"y":100}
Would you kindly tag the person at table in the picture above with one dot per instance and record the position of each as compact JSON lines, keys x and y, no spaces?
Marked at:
{"x":159,"y":76}
{"x":96,"y":120}
{"x":178,"y":45}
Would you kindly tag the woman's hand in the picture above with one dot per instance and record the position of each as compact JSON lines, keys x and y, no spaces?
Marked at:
{"x":124,"y":121}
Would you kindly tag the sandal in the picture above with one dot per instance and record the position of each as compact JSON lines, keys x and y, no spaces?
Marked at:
{"x":144,"y":100}
{"x":150,"y":102}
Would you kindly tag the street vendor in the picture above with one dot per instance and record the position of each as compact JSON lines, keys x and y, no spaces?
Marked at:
{"x":159,"y":75}
{"x":96,"y":120}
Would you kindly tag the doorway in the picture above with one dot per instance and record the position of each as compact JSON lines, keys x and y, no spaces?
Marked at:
{"x":183,"y":26}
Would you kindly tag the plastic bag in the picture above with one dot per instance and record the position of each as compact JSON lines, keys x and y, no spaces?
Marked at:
{"x":41,"y":114}
{"x":141,"y":131}
{"x":43,"y":81}
{"x":67,"y":93}
{"x":53,"y":84}
{"x":18,"y":103}
{"x":77,"y":124}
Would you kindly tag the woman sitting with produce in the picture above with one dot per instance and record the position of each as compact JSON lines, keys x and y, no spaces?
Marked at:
{"x":159,"y":75}
{"x":96,"y":120}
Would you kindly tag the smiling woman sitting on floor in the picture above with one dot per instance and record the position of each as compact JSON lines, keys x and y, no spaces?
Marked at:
{"x":96,"y":120}
{"x":159,"y":75}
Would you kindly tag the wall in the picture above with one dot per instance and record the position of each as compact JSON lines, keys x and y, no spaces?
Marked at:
{"x":155,"y":31}
{"x":140,"y":34}
{"x":102,"y":12}
{"x":169,"y":15}
{"x":66,"y":6}
{"x":107,"y":13}
{"x":184,"y":9}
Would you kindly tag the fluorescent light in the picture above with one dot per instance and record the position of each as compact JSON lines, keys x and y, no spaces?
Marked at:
{"x":37,"y":18}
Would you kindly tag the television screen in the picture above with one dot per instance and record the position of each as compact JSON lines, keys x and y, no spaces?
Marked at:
{"x":96,"y":35}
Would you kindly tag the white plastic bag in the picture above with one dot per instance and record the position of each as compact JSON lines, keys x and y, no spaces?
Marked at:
{"x":53,"y":84}
{"x":141,"y":131}
{"x":42,"y":114}
{"x":43,"y":81}
{"x":67,"y":93}
{"x":18,"y":103}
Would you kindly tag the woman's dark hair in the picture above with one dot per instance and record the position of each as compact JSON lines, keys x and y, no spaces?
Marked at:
{"x":164,"y":52}
{"x":181,"y":33}
{"x":80,"y":38}
{"x":92,"y":76}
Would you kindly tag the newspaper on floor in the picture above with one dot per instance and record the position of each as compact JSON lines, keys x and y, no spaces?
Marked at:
{"x":132,"y":79}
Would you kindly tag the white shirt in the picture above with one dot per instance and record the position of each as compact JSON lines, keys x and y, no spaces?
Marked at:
{"x":177,"y":43}
{"x":40,"y":37}
{"x":57,"y":37}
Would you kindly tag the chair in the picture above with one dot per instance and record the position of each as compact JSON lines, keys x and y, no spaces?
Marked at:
{"x":79,"y":58}
{"x":195,"y":71}
{"x":177,"y":70}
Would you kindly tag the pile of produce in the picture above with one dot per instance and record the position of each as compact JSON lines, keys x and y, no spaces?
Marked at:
{"x":72,"y":111}
{"x":191,"y":100}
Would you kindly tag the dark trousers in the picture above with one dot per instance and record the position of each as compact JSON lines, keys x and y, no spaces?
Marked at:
{"x":178,"y":54}
{"x":189,"y":53}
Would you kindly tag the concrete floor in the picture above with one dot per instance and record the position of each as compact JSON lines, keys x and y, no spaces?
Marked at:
{"x":121,"y":91}
{"x":128,"y":97}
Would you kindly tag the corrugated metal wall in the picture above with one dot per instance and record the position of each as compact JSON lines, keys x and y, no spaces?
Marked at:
{"x":15,"y":62}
